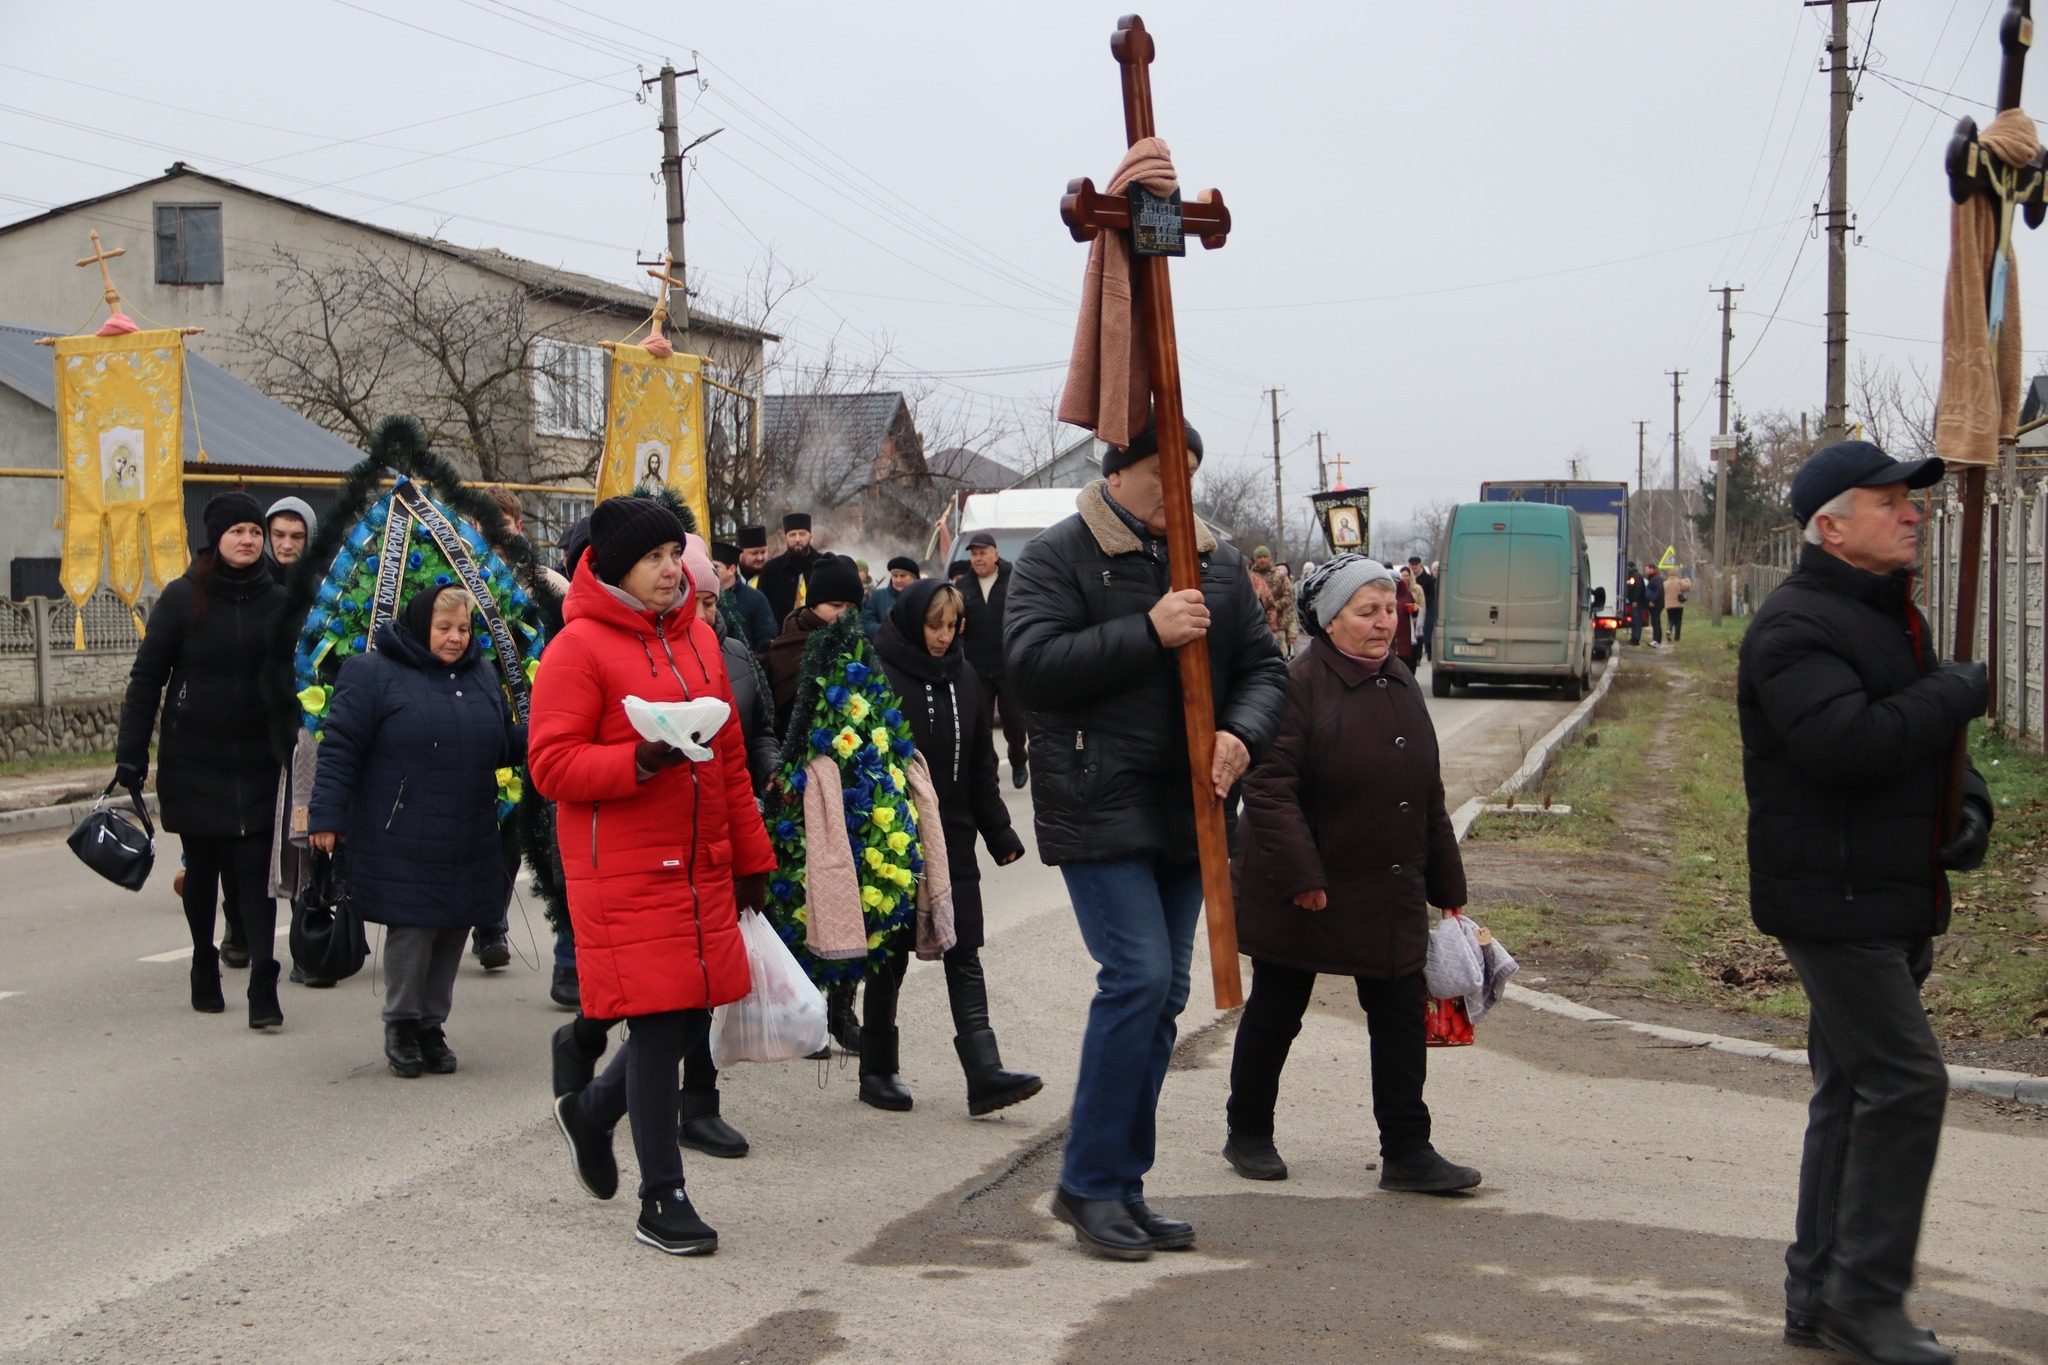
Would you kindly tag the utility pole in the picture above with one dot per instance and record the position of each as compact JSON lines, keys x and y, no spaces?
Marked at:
{"x":1322,"y":470}
{"x":1279,"y":496}
{"x":1676,"y":376}
{"x":1724,"y":454}
{"x":672,"y":152}
{"x":1635,"y":532}
{"x":1841,"y":96}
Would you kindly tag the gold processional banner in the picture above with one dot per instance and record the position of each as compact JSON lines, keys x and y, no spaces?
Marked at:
{"x":121,"y":428}
{"x":654,"y":429}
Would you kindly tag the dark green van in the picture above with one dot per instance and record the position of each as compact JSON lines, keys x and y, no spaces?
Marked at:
{"x":1514,"y":599}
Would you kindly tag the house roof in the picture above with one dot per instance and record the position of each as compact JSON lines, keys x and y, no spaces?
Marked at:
{"x":243,"y":429}
{"x":970,"y":470}
{"x":587,"y":290}
{"x":856,"y":421}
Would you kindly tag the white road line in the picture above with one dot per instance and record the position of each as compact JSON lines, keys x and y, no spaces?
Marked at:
{"x":5,"y":994}
{"x":183,"y":954}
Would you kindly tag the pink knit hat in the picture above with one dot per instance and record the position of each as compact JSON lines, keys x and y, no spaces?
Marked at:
{"x":697,"y":564}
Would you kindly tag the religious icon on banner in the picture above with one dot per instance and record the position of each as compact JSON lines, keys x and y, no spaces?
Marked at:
{"x":654,"y":428}
{"x":120,"y":427}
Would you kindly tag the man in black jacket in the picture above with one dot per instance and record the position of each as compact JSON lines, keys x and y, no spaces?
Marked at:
{"x":1847,"y":724}
{"x":752,"y":608}
{"x":1089,"y":637}
{"x":986,"y":591}
{"x":784,"y":579}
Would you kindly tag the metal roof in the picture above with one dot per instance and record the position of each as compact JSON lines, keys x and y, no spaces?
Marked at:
{"x":243,"y":429}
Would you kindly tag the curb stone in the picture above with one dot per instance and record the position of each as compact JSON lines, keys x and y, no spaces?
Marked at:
{"x":2002,"y":1085}
{"x":38,"y":819}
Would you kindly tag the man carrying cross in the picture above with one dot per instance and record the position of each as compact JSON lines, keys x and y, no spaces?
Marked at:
{"x":1132,"y":750}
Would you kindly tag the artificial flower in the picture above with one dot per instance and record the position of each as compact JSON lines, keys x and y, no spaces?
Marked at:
{"x":872,"y":856}
{"x":898,"y":841}
{"x":314,"y":700}
{"x":856,"y":706}
{"x":870,"y":897}
{"x":845,"y":742}
{"x":884,"y":816}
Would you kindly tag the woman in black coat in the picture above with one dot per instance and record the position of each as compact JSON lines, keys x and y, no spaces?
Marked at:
{"x":1345,"y":845}
{"x":920,"y":647}
{"x":415,"y":734}
{"x":216,"y":778}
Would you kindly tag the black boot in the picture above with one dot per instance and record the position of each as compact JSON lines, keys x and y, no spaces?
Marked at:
{"x":839,"y":1012}
{"x":402,"y":1048}
{"x":879,"y":1084}
{"x":435,"y":1054}
{"x":263,"y":1008}
{"x":669,"y":1223}
{"x":702,"y":1130}
{"x":206,"y":996}
{"x":564,"y":989}
{"x":234,"y":952}
{"x":574,"y":1061}
{"x":989,"y":1086}
{"x":492,"y":949}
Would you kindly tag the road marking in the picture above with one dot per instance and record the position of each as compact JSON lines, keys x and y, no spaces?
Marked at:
{"x":5,"y":994}
{"x":182,"y":954}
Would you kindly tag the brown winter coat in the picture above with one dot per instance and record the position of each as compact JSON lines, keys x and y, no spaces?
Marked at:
{"x":1350,"y":799}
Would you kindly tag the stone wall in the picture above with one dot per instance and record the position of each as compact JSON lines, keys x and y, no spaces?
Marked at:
{"x":82,"y":727}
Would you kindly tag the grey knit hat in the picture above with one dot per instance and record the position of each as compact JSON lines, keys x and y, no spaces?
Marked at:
{"x":1333,"y":583}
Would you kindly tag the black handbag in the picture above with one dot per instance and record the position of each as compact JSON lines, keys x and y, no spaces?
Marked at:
{"x":327,"y":939}
{"x":113,"y":845}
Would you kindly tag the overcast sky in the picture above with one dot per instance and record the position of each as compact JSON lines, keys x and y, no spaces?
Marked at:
{"x":1469,"y":240}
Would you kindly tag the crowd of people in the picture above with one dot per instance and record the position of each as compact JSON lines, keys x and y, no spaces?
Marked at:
{"x":845,"y":797}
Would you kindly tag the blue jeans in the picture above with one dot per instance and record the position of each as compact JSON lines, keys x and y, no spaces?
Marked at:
{"x":565,"y":950}
{"x":1137,"y":916}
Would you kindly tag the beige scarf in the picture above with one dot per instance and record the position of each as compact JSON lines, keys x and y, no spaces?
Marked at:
{"x":833,"y":927}
{"x":1980,"y":393}
{"x":1109,"y":382}
{"x":935,"y":932}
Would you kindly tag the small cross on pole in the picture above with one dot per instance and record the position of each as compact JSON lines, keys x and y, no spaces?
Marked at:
{"x":1337,"y":463}
{"x":1087,"y":213}
{"x":100,"y":256}
{"x":667,"y":282}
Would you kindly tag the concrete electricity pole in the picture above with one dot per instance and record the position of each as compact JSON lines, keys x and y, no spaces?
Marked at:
{"x":1676,"y":375}
{"x":1841,"y":97}
{"x":1322,"y":470}
{"x":1279,"y":496}
{"x":1723,"y":455}
{"x":1635,"y":532}
{"x":672,"y":178}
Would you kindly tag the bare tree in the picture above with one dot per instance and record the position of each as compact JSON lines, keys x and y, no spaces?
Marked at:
{"x":1897,"y":409}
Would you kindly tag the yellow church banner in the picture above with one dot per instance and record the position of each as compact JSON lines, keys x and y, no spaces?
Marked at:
{"x":654,"y":428}
{"x":120,"y":430}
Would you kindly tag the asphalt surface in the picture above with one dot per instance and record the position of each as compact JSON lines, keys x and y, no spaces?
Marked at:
{"x":180,"y":1188}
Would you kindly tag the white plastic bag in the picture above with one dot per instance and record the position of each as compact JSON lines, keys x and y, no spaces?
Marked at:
{"x":685,"y":725}
{"x":1455,"y":966}
{"x":782,"y":1018}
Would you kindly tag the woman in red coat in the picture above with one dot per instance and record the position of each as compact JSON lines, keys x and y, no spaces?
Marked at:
{"x":658,"y":852}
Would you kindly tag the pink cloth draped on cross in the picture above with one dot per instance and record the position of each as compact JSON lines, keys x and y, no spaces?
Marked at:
{"x":1109,"y":381}
{"x":1980,"y":393}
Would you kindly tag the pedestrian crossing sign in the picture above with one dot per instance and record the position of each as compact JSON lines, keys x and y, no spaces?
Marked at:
{"x":1669,"y":561}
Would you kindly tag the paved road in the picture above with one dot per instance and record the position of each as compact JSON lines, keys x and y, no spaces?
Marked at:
{"x":178,"y":1188}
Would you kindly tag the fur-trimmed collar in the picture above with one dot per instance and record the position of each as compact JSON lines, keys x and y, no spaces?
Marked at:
{"x":1109,"y":530}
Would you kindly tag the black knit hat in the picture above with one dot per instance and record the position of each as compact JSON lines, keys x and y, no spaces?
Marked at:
{"x":905,"y":563}
{"x":624,"y":529}
{"x":834,"y":578}
{"x":1146,"y":443}
{"x":224,"y":510}
{"x":753,"y":537}
{"x":797,"y":521}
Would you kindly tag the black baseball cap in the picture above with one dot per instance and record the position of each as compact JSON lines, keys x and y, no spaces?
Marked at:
{"x":1844,"y":465}
{"x":981,"y":540}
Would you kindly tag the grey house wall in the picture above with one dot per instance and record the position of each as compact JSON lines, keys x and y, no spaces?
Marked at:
{"x":28,"y":507}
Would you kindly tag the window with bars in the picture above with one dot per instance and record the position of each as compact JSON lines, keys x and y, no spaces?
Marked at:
{"x":188,"y":249}
{"x":568,"y":389}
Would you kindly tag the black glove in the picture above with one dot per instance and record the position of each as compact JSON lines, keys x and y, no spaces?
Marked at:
{"x":1975,"y":677}
{"x":750,"y":892}
{"x":1965,"y":852}
{"x":130,"y":776}
{"x":652,"y":755}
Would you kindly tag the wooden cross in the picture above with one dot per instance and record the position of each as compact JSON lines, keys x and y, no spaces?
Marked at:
{"x":1338,"y":462}
{"x":668,"y":282}
{"x":100,"y":256}
{"x":1087,"y":213}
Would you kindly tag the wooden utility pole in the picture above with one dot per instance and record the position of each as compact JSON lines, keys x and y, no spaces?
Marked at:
{"x":1322,"y":470}
{"x":1635,"y":532}
{"x":1723,"y":455}
{"x":1676,"y":376}
{"x":1279,"y":496}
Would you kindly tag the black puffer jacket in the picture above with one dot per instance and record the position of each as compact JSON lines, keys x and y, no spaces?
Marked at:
{"x":1109,"y":758}
{"x":982,"y":635}
{"x":216,"y":772}
{"x":1846,"y":728}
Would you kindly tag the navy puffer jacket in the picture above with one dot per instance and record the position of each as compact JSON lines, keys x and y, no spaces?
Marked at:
{"x":408,"y":774}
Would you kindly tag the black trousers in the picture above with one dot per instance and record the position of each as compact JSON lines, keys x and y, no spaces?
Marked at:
{"x":1400,"y":1053}
{"x":999,"y":699}
{"x":1872,"y":1127}
{"x":640,"y":1083}
{"x":1674,"y":618}
{"x":244,"y":864}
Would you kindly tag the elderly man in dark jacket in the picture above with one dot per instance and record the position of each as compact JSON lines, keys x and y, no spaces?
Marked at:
{"x":1089,"y":648}
{"x":986,"y":590}
{"x":1847,"y":724}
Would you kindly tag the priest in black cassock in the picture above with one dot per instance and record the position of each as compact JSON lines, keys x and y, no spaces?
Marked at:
{"x":784,"y":578}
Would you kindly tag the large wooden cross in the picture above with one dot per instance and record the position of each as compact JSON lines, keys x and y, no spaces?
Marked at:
{"x":1086,"y":213}
{"x":100,"y":256}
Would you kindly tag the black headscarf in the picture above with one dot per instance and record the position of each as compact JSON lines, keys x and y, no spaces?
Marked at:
{"x":901,"y":638}
{"x":416,"y":618}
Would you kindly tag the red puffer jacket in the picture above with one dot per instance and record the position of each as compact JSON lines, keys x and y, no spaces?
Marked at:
{"x":649,"y":866}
